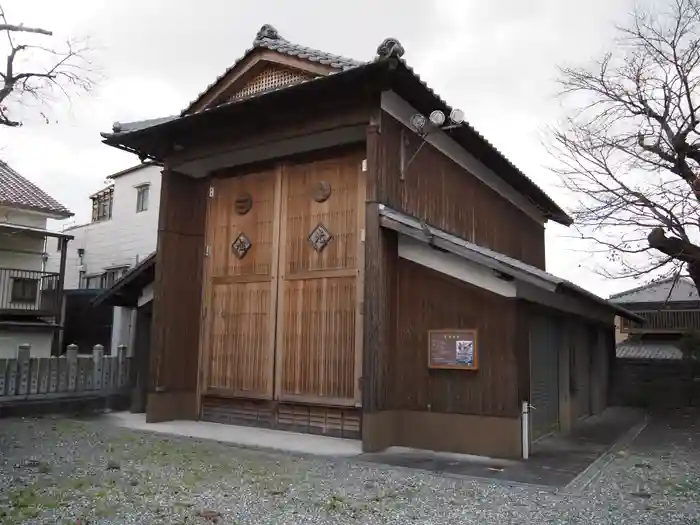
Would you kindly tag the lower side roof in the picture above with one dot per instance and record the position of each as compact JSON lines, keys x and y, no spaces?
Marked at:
{"x":408,"y":225}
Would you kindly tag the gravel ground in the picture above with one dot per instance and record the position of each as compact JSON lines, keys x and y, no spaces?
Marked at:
{"x":57,"y":470}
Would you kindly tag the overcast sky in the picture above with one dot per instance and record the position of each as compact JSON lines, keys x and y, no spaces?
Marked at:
{"x":495,"y":59}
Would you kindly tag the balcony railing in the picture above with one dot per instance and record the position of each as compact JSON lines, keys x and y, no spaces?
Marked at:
{"x":660,"y":321}
{"x":28,"y":292}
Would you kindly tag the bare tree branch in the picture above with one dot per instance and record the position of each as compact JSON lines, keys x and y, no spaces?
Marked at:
{"x":42,"y":72}
{"x":23,"y":29}
{"x":630,"y":153}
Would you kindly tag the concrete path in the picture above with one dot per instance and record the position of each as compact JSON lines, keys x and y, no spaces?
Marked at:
{"x":243,"y":436}
{"x":556,"y":461}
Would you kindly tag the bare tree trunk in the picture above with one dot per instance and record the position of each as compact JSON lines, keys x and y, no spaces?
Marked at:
{"x":694,"y":273}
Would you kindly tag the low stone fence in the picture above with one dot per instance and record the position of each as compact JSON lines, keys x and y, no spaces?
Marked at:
{"x":655,"y":383}
{"x":67,"y":382}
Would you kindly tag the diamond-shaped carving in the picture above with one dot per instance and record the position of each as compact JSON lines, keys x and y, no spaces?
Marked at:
{"x":320,"y":237}
{"x":241,"y":245}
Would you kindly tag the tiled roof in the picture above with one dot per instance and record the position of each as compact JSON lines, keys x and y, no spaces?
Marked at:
{"x":648,"y":350}
{"x":494,"y":260}
{"x":127,"y":127}
{"x":667,"y":290}
{"x":18,"y":192}
{"x":269,"y":38}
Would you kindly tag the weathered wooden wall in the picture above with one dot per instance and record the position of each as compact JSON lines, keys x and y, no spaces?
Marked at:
{"x":397,"y":386}
{"x":442,"y":193}
{"x":409,"y":404}
{"x":177,"y":298}
{"x":427,"y":300}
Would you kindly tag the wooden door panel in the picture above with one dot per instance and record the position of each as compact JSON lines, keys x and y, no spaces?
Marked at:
{"x":241,"y":353}
{"x":257,"y":225}
{"x":318,"y":341}
{"x":285,"y":306}
{"x":318,"y":309}
{"x":241,"y":291}
{"x":338,"y":214}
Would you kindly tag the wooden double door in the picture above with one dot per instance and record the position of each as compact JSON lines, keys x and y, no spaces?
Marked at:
{"x":282,"y":283}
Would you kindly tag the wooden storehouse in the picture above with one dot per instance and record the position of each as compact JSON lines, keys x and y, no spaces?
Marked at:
{"x":329,"y":261}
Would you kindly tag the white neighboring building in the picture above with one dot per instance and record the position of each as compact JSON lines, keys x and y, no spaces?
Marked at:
{"x":123,"y":231}
{"x":30,"y":309}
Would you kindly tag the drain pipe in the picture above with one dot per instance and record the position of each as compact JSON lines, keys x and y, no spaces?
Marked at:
{"x":525,"y":420}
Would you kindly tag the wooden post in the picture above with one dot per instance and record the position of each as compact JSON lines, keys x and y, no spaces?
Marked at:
{"x":72,"y":361}
{"x":122,"y":366}
{"x":23,"y":362}
{"x":61,"y":277}
{"x":98,"y":352}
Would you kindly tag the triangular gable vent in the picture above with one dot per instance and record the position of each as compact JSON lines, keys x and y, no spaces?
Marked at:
{"x":272,"y":76}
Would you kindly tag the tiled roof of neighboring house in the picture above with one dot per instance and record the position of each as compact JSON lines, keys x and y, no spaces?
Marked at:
{"x":269,"y":38}
{"x":648,"y":350}
{"x":18,"y":192}
{"x":658,"y":292}
{"x":389,"y":49}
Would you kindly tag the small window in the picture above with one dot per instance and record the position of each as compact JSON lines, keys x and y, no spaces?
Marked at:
{"x":24,"y":290}
{"x":111,"y":276}
{"x":102,"y":204}
{"x":92,"y":282}
{"x":142,"y":198}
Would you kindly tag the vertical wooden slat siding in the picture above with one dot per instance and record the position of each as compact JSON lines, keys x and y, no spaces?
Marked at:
{"x":428,"y":300}
{"x":442,"y":193}
{"x":318,"y":358}
{"x":317,"y":310}
{"x":177,"y":286}
{"x":381,"y":254}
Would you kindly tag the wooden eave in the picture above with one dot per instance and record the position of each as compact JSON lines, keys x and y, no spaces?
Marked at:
{"x":162,"y":141}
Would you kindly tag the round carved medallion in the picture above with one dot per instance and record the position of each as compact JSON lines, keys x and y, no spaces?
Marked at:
{"x":321,"y":191}
{"x":243,"y":204}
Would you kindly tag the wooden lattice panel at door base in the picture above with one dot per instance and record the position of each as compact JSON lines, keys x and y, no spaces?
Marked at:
{"x":271,"y":77}
{"x":333,"y":421}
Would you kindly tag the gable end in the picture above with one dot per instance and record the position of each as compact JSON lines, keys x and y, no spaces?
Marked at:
{"x":271,"y":77}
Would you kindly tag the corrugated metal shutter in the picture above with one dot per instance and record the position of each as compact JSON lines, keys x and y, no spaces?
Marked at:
{"x":544,"y":375}
{"x":582,"y":367}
